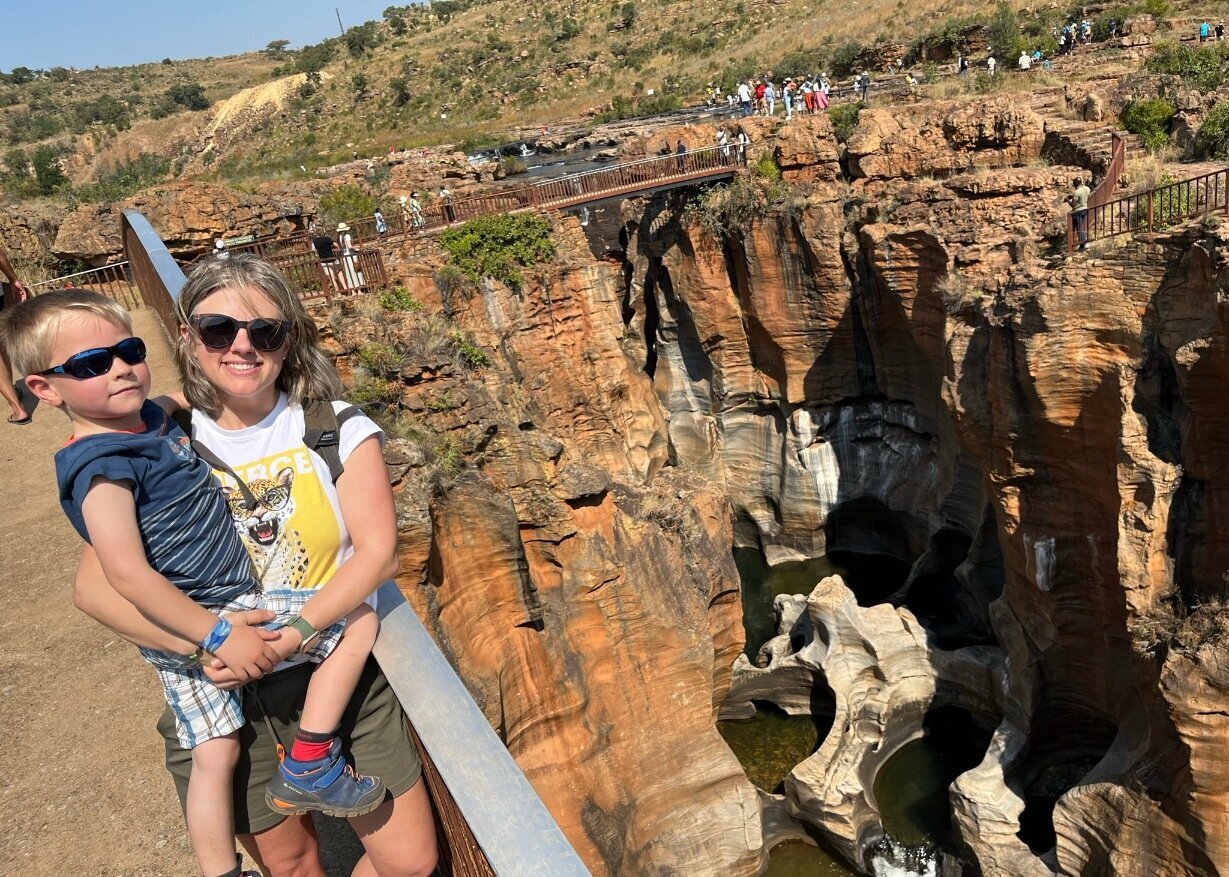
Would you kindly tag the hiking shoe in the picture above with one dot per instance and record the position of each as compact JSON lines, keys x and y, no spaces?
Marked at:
{"x":332,"y":788}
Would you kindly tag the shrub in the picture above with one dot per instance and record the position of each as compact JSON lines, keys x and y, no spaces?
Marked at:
{"x":728,"y":210}
{"x":188,"y":94}
{"x":398,"y":299}
{"x":346,"y":203}
{"x":1212,"y":141}
{"x":453,"y":283}
{"x":1201,"y":68}
{"x":380,"y":359}
{"x":511,"y":165}
{"x":471,"y":355}
{"x":844,"y":118}
{"x":1150,"y":119}
{"x":766,"y":167}
{"x":844,"y":57}
{"x":132,"y":176}
{"x":47,"y":173}
{"x":499,"y":246}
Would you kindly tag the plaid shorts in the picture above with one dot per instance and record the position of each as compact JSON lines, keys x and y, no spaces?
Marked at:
{"x":203,"y":711}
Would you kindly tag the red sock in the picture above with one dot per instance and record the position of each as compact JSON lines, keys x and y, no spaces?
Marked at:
{"x":311,"y":745}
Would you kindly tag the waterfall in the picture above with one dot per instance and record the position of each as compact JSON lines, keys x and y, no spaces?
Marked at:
{"x":889,"y":857}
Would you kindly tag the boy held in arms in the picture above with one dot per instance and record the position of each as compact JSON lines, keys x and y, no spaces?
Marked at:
{"x":133,"y":487}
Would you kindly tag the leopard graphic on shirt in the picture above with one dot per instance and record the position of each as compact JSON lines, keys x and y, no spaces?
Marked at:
{"x":276,"y":549}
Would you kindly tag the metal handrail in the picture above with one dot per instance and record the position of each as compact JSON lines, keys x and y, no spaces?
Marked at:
{"x":1104,"y":190}
{"x":113,"y":281}
{"x":1158,"y":208}
{"x":492,"y":821}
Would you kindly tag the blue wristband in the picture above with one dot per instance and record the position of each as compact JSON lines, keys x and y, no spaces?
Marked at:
{"x":216,"y":637}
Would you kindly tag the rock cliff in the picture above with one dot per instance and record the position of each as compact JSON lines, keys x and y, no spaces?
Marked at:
{"x":1019,"y":459}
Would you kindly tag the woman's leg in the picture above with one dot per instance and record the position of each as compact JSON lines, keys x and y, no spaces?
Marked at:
{"x":288,"y":849}
{"x":399,"y":837}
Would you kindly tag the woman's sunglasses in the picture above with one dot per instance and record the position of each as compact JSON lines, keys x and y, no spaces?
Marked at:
{"x":98,"y":360}
{"x":218,"y":331}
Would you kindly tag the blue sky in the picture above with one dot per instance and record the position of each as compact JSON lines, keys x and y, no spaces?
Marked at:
{"x":109,"y":33}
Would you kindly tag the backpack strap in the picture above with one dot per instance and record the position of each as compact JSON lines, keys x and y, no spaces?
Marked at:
{"x":322,"y":432}
{"x":183,"y":419}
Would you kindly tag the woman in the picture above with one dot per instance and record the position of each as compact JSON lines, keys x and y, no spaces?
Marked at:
{"x":245,"y":378}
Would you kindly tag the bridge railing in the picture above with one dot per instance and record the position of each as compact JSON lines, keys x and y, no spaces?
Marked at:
{"x":113,"y":281}
{"x":1105,"y":189}
{"x":491,"y":820}
{"x":1159,"y":208}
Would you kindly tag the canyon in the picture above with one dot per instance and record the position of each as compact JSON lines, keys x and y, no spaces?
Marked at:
{"x":893,"y":362}
{"x":885,"y":359}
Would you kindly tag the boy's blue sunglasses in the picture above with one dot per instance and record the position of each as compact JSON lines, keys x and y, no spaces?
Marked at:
{"x":98,"y":360}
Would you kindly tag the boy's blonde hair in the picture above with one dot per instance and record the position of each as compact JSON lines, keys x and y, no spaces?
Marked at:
{"x":29,"y":330}
{"x":307,"y":372}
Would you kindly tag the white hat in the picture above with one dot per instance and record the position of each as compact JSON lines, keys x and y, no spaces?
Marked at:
{"x":341,"y":226}
{"x":219,"y":245}
{"x":403,"y":199}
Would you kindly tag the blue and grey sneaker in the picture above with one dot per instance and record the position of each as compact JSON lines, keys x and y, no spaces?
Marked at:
{"x":330,"y":787}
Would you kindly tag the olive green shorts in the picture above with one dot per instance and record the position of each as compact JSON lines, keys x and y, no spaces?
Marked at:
{"x":373,"y":730}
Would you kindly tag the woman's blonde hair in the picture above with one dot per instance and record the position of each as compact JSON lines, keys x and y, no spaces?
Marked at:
{"x":29,"y":331}
{"x":306,"y":373}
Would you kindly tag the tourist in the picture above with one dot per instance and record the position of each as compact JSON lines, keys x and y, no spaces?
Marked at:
{"x":416,"y":211}
{"x":819,"y":100}
{"x":723,"y":143}
{"x":787,"y":96}
{"x":165,"y":539}
{"x":1203,"y":32}
{"x":381,"y":225}
{"x":743,"y":142}
{"x":12,"y":294}
{"x":760,"y":88}
{"x":1025,"y":61}
{"x":770,"y":99}
{"x":447,"y":211}
{"x":246,"y":418}
{"x":323,"y":245}
{"x":349,"y":278}
{"x":681,"y":151}
{"x":219,"y":249}
{"x":866,"y":86}
{"x":990,"y":64}
{"x":744,"y":97}
{"x":1078,"y":200}
{"x":808,"y":95}
{"x":1220,"y":31}
{"x":1113,"y":28}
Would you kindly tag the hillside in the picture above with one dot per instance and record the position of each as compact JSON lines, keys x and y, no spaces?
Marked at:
{"x":459,"y":71}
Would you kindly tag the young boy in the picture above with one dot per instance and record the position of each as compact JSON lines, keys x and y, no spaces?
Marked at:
{"x":132,"y":486}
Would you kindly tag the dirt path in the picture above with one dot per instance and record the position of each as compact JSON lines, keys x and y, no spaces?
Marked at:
{"x":82,"y":786}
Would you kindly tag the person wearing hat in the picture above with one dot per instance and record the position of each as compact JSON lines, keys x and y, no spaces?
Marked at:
{"x":219,"y":249}
{"x":348,"y":278}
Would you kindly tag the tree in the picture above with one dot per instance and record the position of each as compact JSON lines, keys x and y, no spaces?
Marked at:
{"x":47,"y":172}
{"x":396,"y":23}
{"x":276,"y":48}
{"x":313,"y":58}
{"x":400,"y":87}
{"x":1003,"y":32}
{"x":361,"y":38}
{"x":21,"y":75}
{"x":359,"y":81}
{"x":188,"y":94}
{"x":628,"y":14}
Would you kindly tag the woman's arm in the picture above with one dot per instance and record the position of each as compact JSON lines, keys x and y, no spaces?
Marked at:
{"x":94,"y":596}
{"x":366,"y":500}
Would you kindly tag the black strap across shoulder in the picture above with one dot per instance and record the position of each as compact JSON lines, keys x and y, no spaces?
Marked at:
{"x":321,"y":433}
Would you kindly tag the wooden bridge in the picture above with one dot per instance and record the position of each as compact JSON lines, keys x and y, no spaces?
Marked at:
{"x":646,"y":175}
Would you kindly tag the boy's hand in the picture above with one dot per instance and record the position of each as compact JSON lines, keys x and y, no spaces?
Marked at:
{"x":248,"y":654}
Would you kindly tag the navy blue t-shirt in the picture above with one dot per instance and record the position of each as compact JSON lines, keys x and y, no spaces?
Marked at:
{"x":186,"y":527}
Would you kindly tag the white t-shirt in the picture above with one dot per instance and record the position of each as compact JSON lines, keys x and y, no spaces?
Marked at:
{"x":296,"y":536}
{"x":744,"y":93}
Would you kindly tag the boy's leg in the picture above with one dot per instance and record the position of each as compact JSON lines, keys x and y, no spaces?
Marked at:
{"x":314,"y":776}
{"x":334,"y":680}
{"x":208,"y":807}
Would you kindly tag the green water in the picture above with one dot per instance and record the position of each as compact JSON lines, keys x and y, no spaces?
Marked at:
{"x":797,"y":859}
{"x":911,"y":790}
{"x":762,"y":583}
{"x":770,"y":745}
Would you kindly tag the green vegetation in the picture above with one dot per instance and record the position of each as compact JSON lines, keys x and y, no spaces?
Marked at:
{"x":1003,"y":32}
{"x":499,"y":246}
{"x":127,"y":179}
{"x":766,"y":168}
{"x":1212,"y":141}
{"x":624,"y":107}
{"x":723,"y":211}
{"x":398,"y":300}
{"x":1150,"y":119}
{"x":346,"y":203}
{"x":1203,"y":68}
{"x":381,"y":359}
{"x":470,"y":354}
{"x":844,"y":118}
{"x":511,"y":166}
